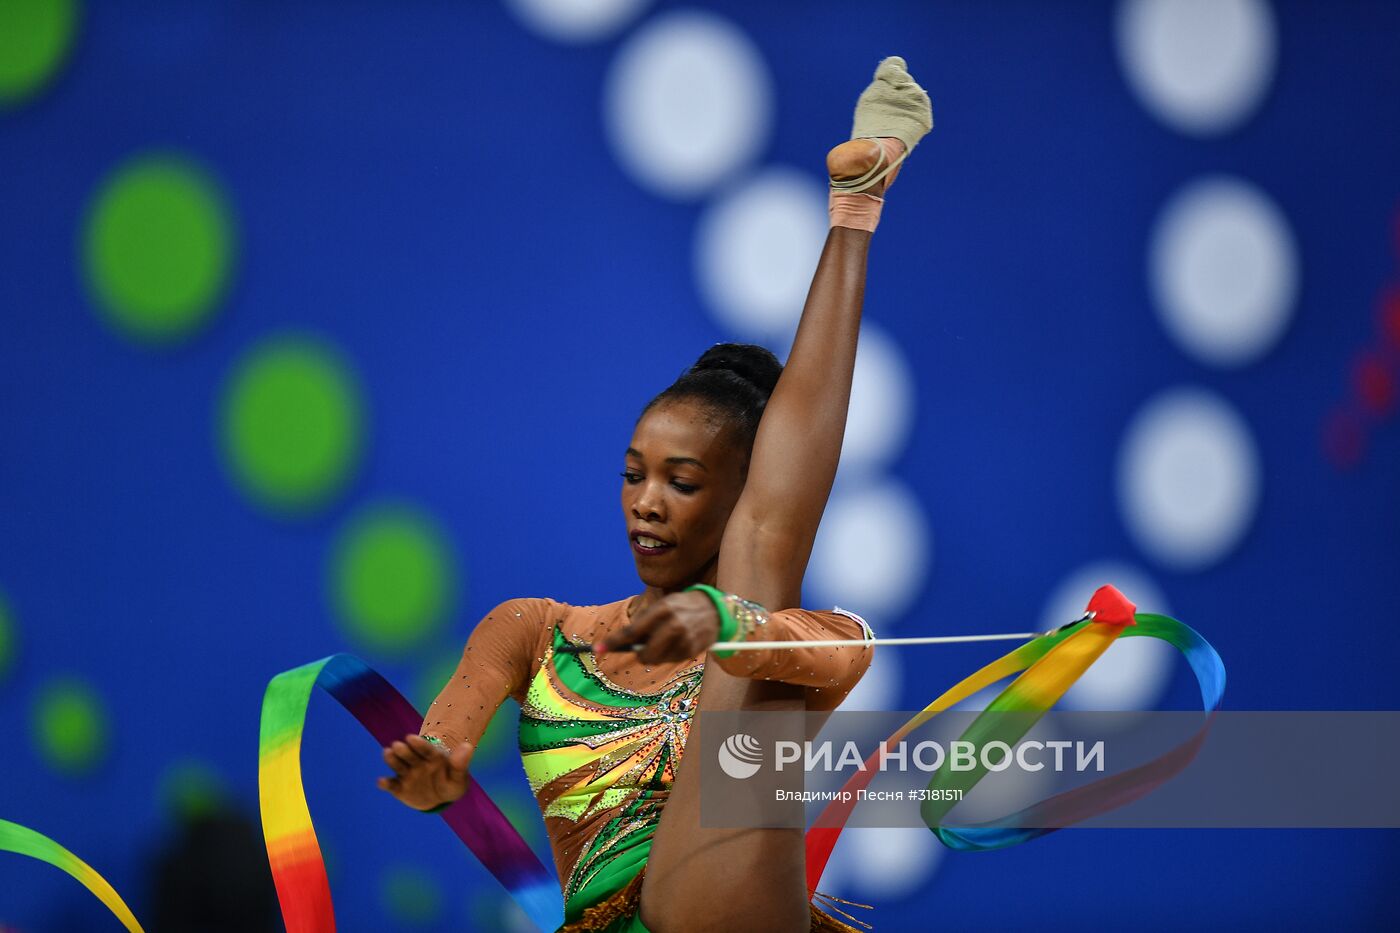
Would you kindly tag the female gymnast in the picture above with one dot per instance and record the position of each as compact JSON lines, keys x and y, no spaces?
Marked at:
{"x":725,"y":480}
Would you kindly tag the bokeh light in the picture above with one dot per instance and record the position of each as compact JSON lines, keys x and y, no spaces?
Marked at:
{"x":755,"y":248}
{"x":524,"y":815}
{"x":873,"y":551}
{"x":190,"y":789}
{"x":576,"y":21}
{"x":1223,"y":267}
{"x":158,"y":248}
{"x":35,"y":39}
{"x":1200,"y":66}
{"x":392,"y":578}
{"x":688,"y":101}
{"x":1188,"y":478}
{"x":70,"y":726}
{"x":410,"y":895}
{"x":292,"y":424}
{"x":8,"y":638}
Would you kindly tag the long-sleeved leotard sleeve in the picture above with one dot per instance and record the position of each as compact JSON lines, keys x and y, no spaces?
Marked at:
{"x":495,"y":665}
{"x":832,"y":671}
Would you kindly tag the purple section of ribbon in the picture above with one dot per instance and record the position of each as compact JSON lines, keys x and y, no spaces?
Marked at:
{"x":475,"y":818}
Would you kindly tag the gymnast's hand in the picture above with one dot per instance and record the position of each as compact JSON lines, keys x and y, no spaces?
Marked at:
{"x":426,"y":775}
{"x":674,"y":628}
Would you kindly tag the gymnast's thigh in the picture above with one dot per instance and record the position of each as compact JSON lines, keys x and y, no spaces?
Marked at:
{"x":700,"y":879}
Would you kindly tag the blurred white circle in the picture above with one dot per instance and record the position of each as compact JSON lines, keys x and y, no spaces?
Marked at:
{"x":1135,"y":672}
{"x":1224,"y":271}
{"x":872,"y":551}
{"x":881,"y":413}
{"x":756,"y":249}
{"x":886,"y":862}
{"x":1188,"y":478}
{"x":1199,"y":66}
{"x":688,"y":102}
{"x":576,"y":20}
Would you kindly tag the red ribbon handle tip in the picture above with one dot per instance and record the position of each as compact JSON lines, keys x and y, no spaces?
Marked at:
{"x":1110,"y":606}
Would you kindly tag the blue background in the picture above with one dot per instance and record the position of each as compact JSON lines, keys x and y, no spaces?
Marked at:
{"x":428,"y":186}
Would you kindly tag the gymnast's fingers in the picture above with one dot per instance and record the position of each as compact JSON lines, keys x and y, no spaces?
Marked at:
{"x":392,"y":785}
{"x":407,"y":755}
{"x":422,"y":748}
{"x":668,"y":644}
{"x":395,"y":761}
{"x":640,"y":629}
{"x":458,"y":759}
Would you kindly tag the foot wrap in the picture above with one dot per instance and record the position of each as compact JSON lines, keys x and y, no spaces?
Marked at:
{"x":894,"y":112}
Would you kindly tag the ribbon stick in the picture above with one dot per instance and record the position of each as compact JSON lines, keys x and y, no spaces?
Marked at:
{"x":868,"y":642}
{"x":24,"y":841}
{"x":825,"y":643}
{"x":293,"y":852}
{"x":1051,"y":664}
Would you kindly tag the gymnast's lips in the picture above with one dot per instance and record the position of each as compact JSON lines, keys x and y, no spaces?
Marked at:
{"x":641,"y":549}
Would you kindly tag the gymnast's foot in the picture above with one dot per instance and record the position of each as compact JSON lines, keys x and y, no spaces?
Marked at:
{"x":892,"y":114}
{"x":855,"y":158}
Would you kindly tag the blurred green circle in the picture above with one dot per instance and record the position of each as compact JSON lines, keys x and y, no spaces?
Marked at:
{"x":158,"y":248}
{"x":191,"y":789}
{"x":7,"y":638}
{"x":524,"y":815}
{"x":392,"y":578}
{"x":70,"y":726}
{"x":410,"y":895}
{"x":292,"y":424}
{"x":35,"y":38}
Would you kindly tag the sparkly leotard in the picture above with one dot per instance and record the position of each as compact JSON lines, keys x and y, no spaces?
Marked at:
{"x":600,"y":739}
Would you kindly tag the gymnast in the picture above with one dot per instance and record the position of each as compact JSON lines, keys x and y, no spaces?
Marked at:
{"x":724,"y":483}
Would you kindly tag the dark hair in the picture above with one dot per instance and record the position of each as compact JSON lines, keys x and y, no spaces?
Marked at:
{"x":733,"y":380}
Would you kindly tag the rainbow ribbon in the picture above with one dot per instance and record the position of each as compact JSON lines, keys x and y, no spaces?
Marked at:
{"x":292,"y":850}
{"x":1047,"y":665}
{"x":1050,"y":665}
{"x":24,"y":841}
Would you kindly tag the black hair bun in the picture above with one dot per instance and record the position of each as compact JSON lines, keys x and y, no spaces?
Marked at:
{"x":754,"y":364}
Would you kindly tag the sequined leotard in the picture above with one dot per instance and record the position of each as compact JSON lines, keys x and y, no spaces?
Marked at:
{"x":600,"y":739}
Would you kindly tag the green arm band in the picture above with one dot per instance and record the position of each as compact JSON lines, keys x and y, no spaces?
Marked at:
{"x":728,"y":628}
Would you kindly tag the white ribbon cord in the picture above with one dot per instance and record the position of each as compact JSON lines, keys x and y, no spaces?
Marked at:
{"x":859,"y":642}
{"x":874,"y":642}
{"x":853,"y":642}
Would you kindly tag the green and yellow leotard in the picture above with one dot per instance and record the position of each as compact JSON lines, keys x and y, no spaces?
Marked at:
{"x":600,"y":739}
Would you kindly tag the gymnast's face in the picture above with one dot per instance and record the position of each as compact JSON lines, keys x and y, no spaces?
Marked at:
{"x":683,"y":473}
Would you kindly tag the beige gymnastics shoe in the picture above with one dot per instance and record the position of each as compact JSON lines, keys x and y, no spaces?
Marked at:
{"x":892,"y":107}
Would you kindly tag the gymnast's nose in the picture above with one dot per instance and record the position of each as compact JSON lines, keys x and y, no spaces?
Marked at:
{"x":649,"y":505}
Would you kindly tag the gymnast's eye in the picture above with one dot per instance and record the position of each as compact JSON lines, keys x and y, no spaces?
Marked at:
{"x":631,"y":477}
{"x":683,"y":487}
